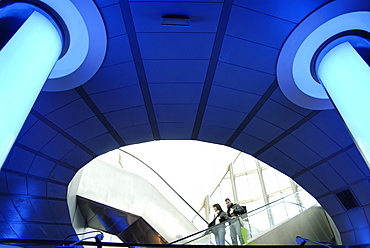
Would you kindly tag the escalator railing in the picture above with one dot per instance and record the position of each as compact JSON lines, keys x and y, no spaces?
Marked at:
{"x":139,"y":167}
{"x":255,"y":222}
{"x":260,"y":220}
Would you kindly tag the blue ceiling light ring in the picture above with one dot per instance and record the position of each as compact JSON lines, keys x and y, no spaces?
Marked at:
{"x":359,"y":39}
{"x":10,"y":21}
{"x":87,"y":47}
{"x":85,"y":40}
{"x":294,"y":63}
{"x":42,"y":8}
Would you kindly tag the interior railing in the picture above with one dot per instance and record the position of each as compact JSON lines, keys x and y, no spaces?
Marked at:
{"x":139,"y":167}
{"x":257,"y":221}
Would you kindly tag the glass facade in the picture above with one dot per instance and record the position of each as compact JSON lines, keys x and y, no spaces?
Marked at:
{"x":270,"y":196}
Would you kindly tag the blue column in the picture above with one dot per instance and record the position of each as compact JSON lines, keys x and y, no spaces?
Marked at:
{"x":26,"y":61}
{"x":346,"y":78}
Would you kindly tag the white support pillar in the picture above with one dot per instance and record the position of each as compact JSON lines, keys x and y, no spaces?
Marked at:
{"x":25,"y":64}
{"x":346,"y":78}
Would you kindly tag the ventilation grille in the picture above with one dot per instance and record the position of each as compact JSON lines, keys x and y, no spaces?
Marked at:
{"x":176,"y":20}
{"x":347,"y":199}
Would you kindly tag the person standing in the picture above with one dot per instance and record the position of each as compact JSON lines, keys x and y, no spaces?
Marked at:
{"x":233,"y":210}
{"x":219,"y":229}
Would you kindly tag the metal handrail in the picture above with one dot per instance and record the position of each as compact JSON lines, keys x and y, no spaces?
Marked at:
{"x":271,"y":203}
{"x":165,"y":183}
{"x":242,"y":216}
{"x":206,"y":232}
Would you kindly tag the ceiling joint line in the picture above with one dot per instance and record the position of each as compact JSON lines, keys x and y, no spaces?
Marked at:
{"x":136,"y":54}
{"x":248,"y":68}
{"x":286,"y":133}
{"x":35,"y":177}
{"x":348,"y":186}
{"x":35,"y":222}
{"x":345,"y":149}
{"x":34,"y":196}
{"x":43,"y":155}
{"x":87,"y":99}
{"x":266,"y":14}
{"x":253,"y":42}
{"x":63,"y":133}
{"x":216,"y":50}
{"x":252,"y":113}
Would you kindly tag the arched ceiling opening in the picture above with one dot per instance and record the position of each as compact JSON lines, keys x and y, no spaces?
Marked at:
{"x":214,"y":81}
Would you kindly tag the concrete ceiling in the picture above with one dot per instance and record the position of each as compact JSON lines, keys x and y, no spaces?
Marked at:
{"x":213,"y":81}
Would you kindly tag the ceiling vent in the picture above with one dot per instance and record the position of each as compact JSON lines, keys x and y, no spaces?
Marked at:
{"x":347,"y":199}
{"x":176,"y":20}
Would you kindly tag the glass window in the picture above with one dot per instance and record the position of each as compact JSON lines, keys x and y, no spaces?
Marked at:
{"x":306,"y":199}
{"x":250,"y":162}
{"x":286,"y":192}
{"x":284,"y":181}
{"x":226,"y":190}
{"x":274,"y":197}
{"x":254,"y":185}
{"x":244,"y":163}
{"x":242,"y":188}
{"x":270,"y":180}
{"x":250,"y":194}
{"x":254,"y":204}
{"x":238,"y":165}
{"x":278,"y":213}
{"x":215,"y":197}
{"x":292,"y":209}
{"x":197,"y":221}
{"x":260,"y":221}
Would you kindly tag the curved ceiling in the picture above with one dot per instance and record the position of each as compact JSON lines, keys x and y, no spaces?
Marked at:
{"x":212,"y":81}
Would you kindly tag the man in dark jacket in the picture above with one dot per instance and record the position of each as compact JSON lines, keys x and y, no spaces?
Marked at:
{"x":233,"y":210}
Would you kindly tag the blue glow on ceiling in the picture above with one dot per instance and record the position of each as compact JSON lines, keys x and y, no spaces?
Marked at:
{"x":25,"y":64}
{"x":346,"y":77}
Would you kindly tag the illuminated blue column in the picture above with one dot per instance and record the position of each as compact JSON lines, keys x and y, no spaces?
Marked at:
{"x":346,"y":78}
{"x":26,"y":61}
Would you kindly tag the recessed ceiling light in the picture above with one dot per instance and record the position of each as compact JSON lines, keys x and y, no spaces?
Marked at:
{"x":175,"y":20}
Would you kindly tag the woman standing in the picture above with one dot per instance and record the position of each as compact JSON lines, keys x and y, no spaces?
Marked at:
{"x":219,"y":229}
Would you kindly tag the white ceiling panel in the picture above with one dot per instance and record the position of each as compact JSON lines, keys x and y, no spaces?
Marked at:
{"x":323,"y":172}
{"x":343,"y":220}
{"x":345,"y":167}
{"x":260,"y":28}
{"x":176,"y":113}
{"x":243,"y":79}
{"x":175,"y":71}
{"x":338,"y":213}
{"x":289,"y":10}
{"x":315,"y":186}
{"x":112,"y":15}
{"x":175,"y":45}
{"x":249,"y":54}
{"x":118,"y":51}
{"x":316,"y":139}
{"x":115,"y":77}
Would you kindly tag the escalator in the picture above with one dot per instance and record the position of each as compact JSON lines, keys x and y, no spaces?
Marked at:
{"x":124,"y":205}
{"x":312,"y":223}
{"x":127,"y":206}
{"x":128,"y":227}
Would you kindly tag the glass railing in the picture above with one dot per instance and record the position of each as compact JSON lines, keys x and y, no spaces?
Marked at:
{"x":134,"y":165}
{"x":255,"y":222}
{"x":263,"y":219}
{"x":258,"y":221}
